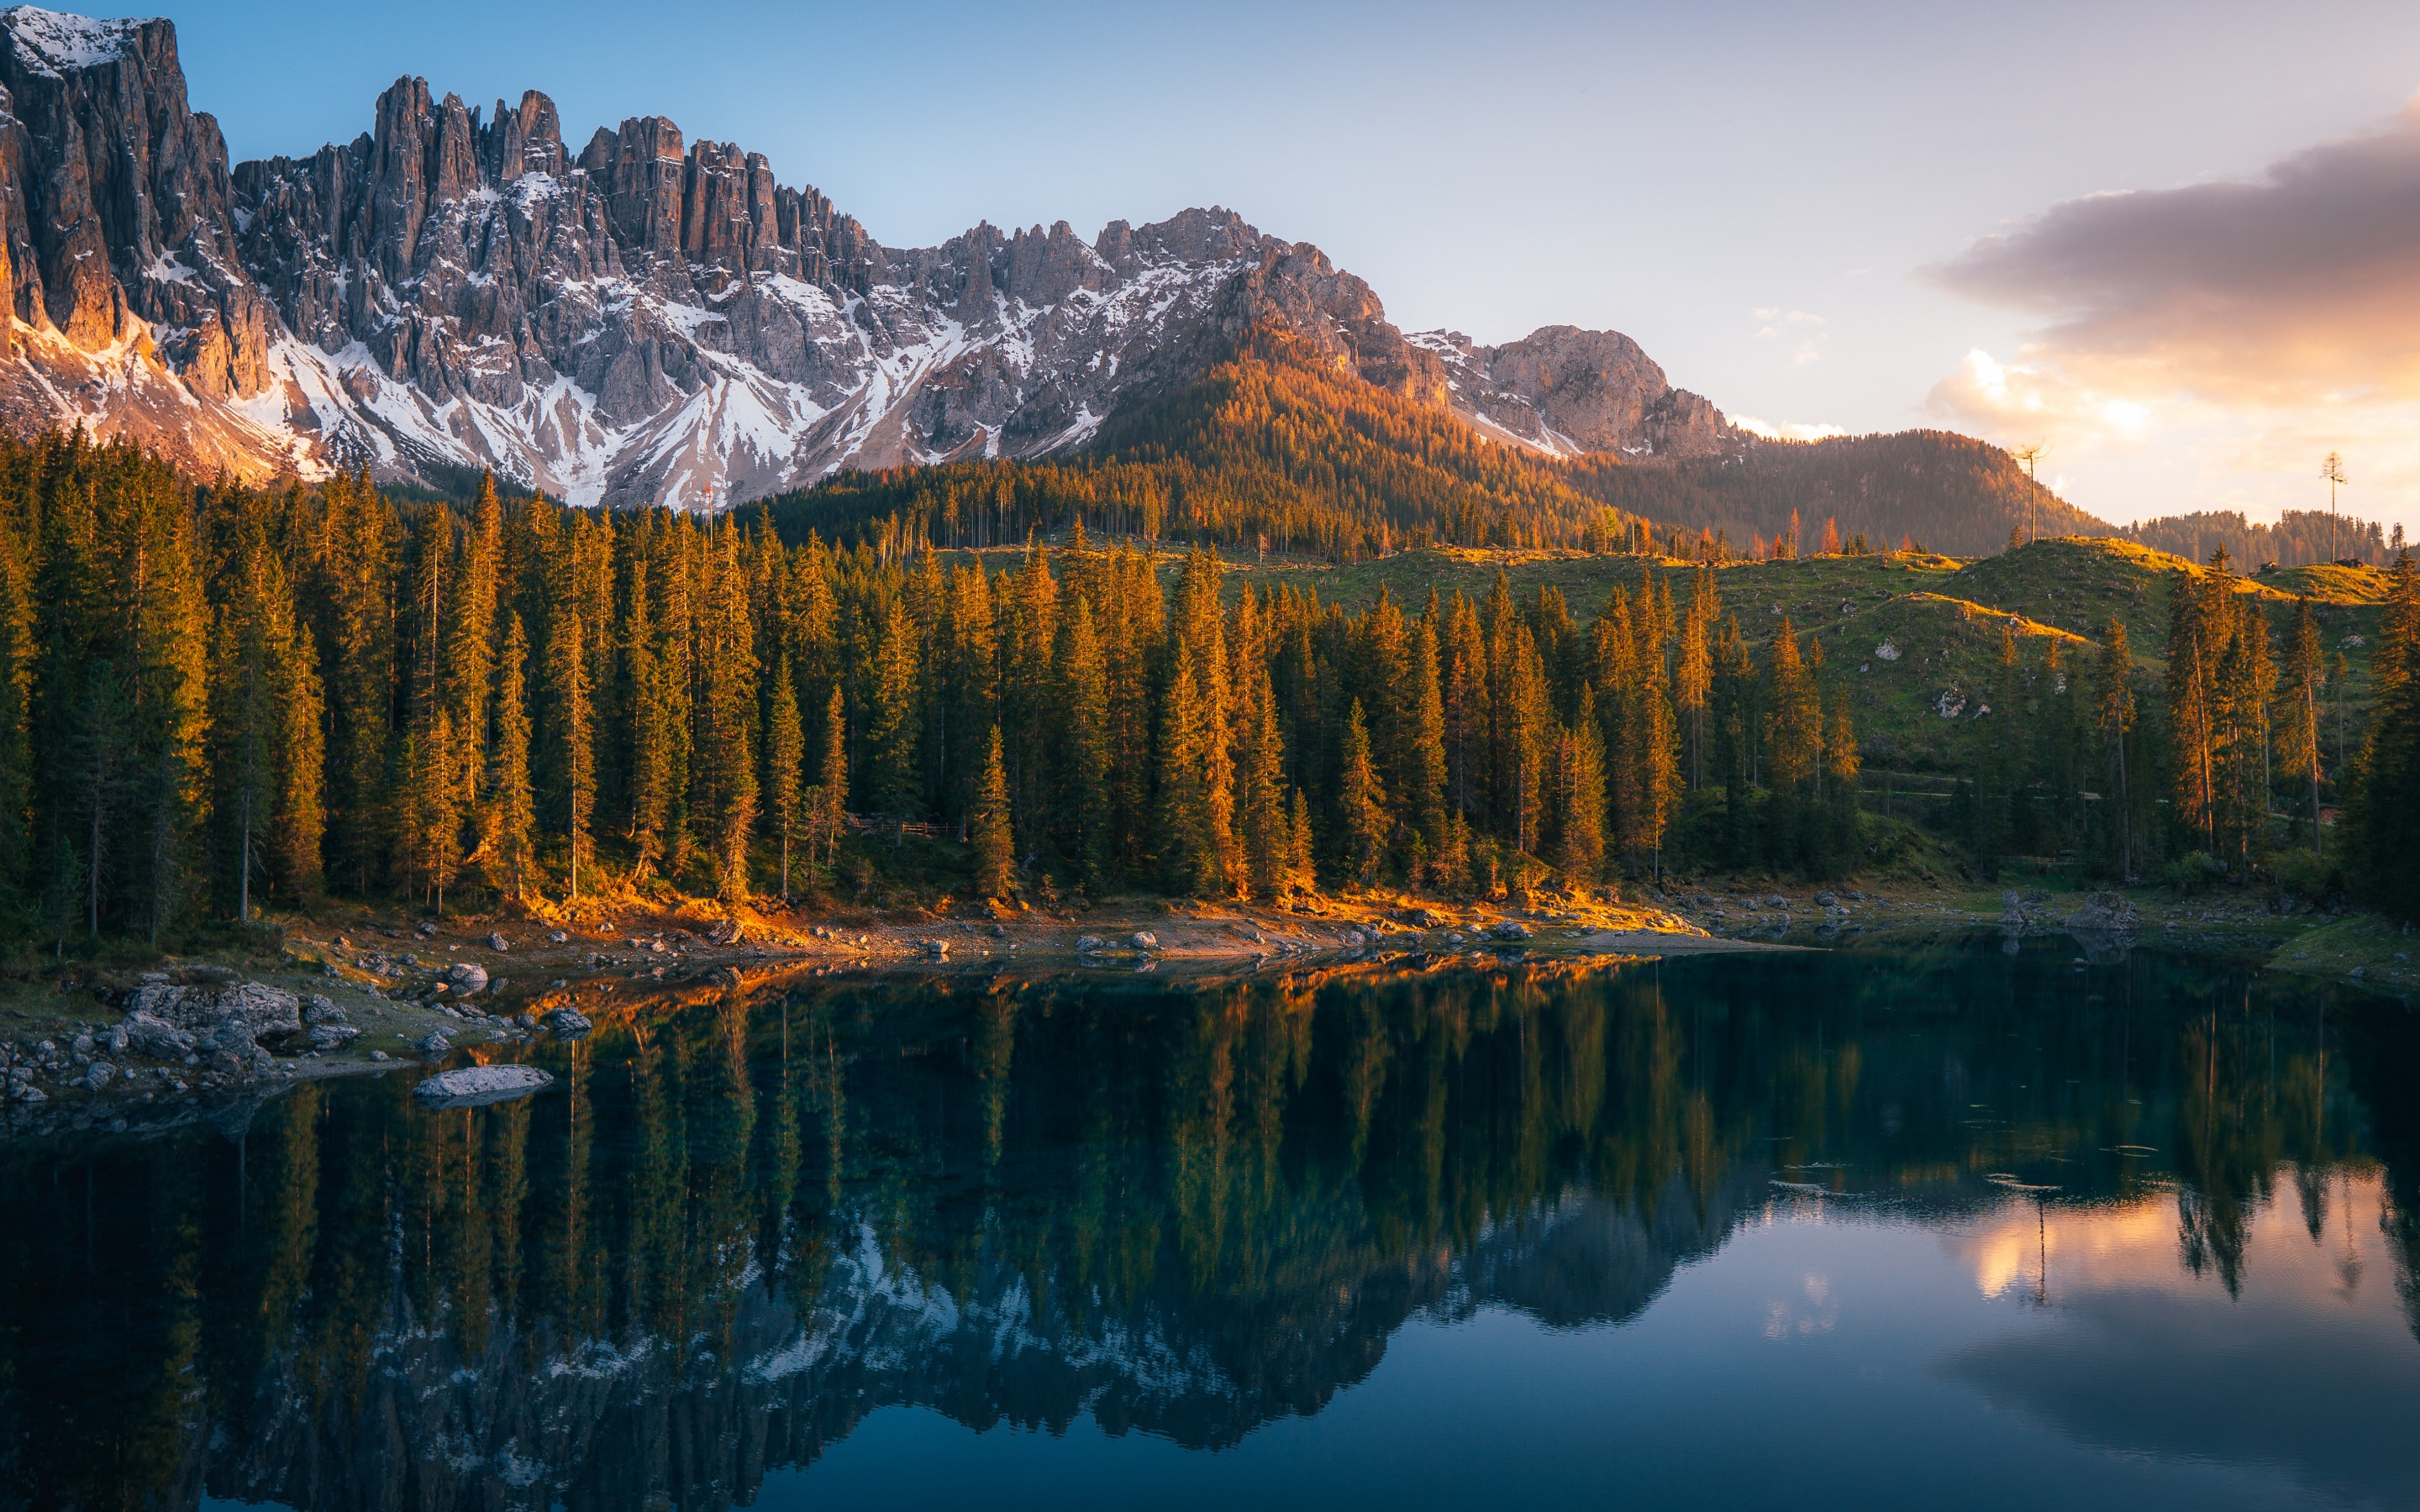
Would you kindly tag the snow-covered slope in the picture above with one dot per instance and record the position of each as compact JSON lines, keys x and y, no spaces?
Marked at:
{"x":644,"y":321}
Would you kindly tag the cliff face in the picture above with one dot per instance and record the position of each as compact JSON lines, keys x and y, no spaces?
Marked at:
{"x":647,"y":320}
{"x":1565,"y":390}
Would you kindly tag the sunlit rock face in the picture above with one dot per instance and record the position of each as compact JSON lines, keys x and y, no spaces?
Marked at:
{"x":639,"y":319}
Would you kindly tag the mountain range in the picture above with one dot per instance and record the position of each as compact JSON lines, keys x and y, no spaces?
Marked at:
{"x":637,"y":318}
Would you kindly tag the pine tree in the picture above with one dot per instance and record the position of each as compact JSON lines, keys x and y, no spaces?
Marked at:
{"x":1694,"y":674}
{"x":995,"y":849}
{"x":1267,"y":832}
{"x":511,"y":811}
{"x":1302,"y":872}
{"x":2297,"y":711}
{"x":570,"y":739}
{"x":1360,"y":803}
{"x":786,"y":756}
{"x":2113,"y":703}
{"x":1085,"y":799}
{"x":1420,"y":792}
{"x":2384,"y":813}
{"x":651,"y":727}
{"x":1794,"y":741}
{"x":1655,"y":770}
{"x":727,"y":760}
{"x":356,"y":563}
{"x":831,"y":774}
{"x":1579,"y":794}
{"x":470,"y":644}
{"x":1190,"y":857}
{"x":893,"y":782}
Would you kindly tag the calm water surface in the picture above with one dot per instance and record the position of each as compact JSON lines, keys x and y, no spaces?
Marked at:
{"x":1866,"y":1229}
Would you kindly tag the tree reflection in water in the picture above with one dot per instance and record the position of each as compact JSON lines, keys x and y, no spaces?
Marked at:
{"x":741,"y":1222}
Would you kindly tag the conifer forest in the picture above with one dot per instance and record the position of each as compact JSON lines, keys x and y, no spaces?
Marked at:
{"x":221,"y":700}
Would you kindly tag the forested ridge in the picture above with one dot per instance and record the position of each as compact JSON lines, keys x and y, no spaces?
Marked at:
{"x":216,"y":697}
{"x":1275,"y":450}
{"x":220,"y":695}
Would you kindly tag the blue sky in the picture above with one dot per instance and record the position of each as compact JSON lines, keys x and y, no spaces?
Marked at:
{"x":1781,"y":202}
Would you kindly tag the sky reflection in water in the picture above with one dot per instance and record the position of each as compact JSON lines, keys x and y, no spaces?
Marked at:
{"x":1870,"y":1230}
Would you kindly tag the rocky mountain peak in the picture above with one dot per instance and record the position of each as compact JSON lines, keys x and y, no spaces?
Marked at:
{"x":1563,"y":389}
{"x":653,"y":320}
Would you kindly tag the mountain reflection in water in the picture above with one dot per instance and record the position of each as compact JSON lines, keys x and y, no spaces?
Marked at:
{"x":2182,"y":1207}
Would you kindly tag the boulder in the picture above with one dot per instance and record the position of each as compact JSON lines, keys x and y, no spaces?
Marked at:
{"x":466,"y":977}
{"x":567,"y":1024}
{"x":147,"y":1033}
{"x":472,"y":1085}
{"x":1512,"y":929}
{"x":497,"y":942}
{"x":434,"y":1043}
{"x":1089,"y":943}
{"x":266,"y":1011}
{"x":725,"y":932}
{"x":2104,"y":913}
{"x":1146,"y":940}
{"x":327,"y":1036}
{"x":321,"y":1009}
{"x":96,"y":1075}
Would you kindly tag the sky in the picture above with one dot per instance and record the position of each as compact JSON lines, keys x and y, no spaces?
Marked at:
{"x":2178,"y":245}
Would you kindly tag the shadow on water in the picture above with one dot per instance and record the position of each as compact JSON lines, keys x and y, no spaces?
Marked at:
{"x":733,"y":1228}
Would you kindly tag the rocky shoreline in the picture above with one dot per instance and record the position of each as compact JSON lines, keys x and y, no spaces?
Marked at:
{"x":161,"y":1048}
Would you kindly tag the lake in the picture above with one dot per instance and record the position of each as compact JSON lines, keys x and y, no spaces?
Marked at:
{"x":1894,"y":1226}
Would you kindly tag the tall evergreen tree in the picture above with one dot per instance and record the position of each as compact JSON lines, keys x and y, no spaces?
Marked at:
{"x":1362,"y":803}
{"x":511,"y":813}
{"x":571,"y":738}
{"x":995,"y":849}
{"x":2384,"y":813}
{"x":785,"y":755}
{"x":2298,"y":712}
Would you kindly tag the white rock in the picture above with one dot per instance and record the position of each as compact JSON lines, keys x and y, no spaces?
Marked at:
{"x":471,"y":1086}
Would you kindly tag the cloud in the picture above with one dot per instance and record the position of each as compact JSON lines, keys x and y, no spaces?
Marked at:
{"x":1786,"y":431}
{"x":2221,"y":336}
{"x":2018,"y":401}
{"x":2297,"y":287}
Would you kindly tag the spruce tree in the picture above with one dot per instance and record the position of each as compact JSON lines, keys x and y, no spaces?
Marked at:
{"x":2297,"y":713}
{"x":785,"y":757}
{"x":728,"y":764}
{"x":892,"y":778}
{"x":2384,"y":815}
{"x":1086,"y":788}
{"x":832,"y":778}
{"x":570,"y":739}
{"x":1694,"y":671}
{"x":511,"y":812}
{"x":1268,"y":832}
{"x":1579,"y":792}
{"x":1420,"y":796}
{"x":1360,"y":803}
{"x":1301,"y":869}
{"x":995,"y":849}
{"x":1189,"y":856}
{"x":2113,"y":704}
